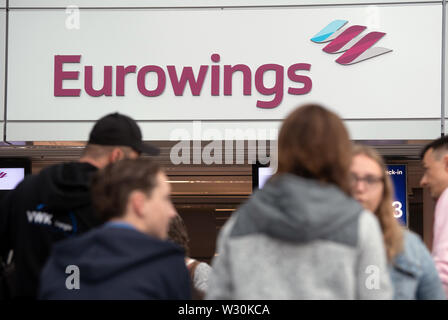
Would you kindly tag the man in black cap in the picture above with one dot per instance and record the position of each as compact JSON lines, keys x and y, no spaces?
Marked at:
{"x":56,"y":203}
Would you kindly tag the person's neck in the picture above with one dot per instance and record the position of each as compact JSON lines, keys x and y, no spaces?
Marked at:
{"x":129,"y":221}
{"x":96,"y":163}
{"x":436,"y":199}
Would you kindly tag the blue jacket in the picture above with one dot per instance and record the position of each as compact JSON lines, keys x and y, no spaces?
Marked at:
{"x":413,"y":274}
{"x":116,"y":262}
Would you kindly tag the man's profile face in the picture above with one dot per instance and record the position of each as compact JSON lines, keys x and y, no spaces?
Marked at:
{"x":435,"y":173}
{"x":159,"y":209}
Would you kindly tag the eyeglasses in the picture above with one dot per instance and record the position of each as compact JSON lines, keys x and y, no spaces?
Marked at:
{"x":369,"y":180}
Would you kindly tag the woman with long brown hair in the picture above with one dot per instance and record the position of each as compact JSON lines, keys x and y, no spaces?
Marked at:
{"x":199,"y":270}
{"x":412,"y":269}
{"x":303,"y":236}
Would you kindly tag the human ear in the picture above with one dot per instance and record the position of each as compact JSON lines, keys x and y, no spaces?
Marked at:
{"x":137,"y":201}
{"x":445,"y":162}
{"x":115,"y":155}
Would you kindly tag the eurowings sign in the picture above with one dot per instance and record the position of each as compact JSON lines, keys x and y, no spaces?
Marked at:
{"x":356,"y":47}
{"x":349,"y":41}
{"x":177,"y":77}
{"x":248,"y":68}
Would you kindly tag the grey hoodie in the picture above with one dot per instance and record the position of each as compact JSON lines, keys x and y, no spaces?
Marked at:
{"x":300,"y":239}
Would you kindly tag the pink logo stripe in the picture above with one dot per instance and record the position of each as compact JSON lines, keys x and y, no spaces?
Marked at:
{"x":345,"y":37}
{"x":362,"y":45}
{"x":2,"y":174}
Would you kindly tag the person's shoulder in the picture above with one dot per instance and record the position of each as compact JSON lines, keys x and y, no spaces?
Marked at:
{"x":226,"y":230}
{"x":203,"y":268}
{"x":411,"y":236}
{"x":50,"y":171}
{"x":415,"y":254}
{"x":129,"y":237}
{"x":367,"y":221}
{"x":442,"y":203}
{"x":79,"y":165}
{"x":71,"y":243}
{"x":414,"y":251}
{"x":70,"y":170}
{"x":67,"y":167}
{"x":413,"y":244}
{"x":443,"y":197}
{"x":368,"y":229}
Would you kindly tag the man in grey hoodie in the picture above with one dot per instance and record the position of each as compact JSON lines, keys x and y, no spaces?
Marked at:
{"x":302,"y":236}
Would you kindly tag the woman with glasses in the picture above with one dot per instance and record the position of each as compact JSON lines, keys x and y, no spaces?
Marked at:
{"x":411,"y":267}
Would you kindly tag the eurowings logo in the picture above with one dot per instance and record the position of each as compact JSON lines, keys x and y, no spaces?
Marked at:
{"x":3,"y":174}
{"x":355,"y":47}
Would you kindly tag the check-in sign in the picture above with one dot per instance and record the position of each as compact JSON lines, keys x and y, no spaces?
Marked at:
{"x":398,"y":176}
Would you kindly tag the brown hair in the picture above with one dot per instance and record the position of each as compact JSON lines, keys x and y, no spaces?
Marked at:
{"x":112,"y":185}
{"x":392,"y":232}
{"x":314,"y":143}
{"x":178,"y":233}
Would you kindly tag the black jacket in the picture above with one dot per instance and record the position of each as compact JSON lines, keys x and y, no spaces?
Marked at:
{"x":43,"y":209}
{"x":115,"y":262}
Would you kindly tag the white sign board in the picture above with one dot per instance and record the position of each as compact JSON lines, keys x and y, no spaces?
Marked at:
{"x":56,"y":71}
{"x":189,"y":3}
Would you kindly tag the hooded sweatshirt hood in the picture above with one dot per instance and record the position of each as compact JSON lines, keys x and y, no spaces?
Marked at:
{"x":114,"y":250}
{"x":66,"y":186}
{"x":299,"y":210}
{"x":117,"y":263}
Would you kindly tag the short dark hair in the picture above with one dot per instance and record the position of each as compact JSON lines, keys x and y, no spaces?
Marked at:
{"x":112,"y":185}
{"x":96,"y":151}
{"x":313,"y":143}
{"x":438,"y":144}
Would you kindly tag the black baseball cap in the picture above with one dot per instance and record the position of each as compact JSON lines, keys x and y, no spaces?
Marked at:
{"x":116,"y":129}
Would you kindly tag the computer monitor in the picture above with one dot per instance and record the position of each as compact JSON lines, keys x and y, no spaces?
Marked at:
{"x":260,"y":174}
{"x":12,"y":172}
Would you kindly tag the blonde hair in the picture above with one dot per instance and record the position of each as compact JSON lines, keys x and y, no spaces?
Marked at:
{"x":392,"y":231}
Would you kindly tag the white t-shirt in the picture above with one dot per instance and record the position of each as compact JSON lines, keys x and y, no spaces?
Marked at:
{"x":201,"y":275}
